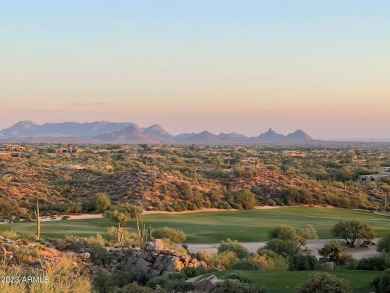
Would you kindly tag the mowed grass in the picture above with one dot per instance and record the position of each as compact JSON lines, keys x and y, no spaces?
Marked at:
{"x":285,"y":282}
{"x":210,"y":227}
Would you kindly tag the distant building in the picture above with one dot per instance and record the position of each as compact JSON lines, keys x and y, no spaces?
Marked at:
{"x":375,"y":178}
{"x":69,"y":150}
{"x":294,"y":154}
{"x":15,"y":148}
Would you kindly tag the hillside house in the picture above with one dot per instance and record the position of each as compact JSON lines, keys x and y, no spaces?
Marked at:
{"x":69,"y":149}
{"x":373,"y":178}
{"x":15,"y":148}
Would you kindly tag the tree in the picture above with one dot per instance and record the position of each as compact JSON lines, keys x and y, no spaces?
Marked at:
{"x":331,"y":251}
{"x":118,"y":217}
{"x":384,"y":244}
{"x":283,"y":232}
{"x":282,"y":247}
{"x":323,"y":283}
{"x":121,"y":215}
{"x":243,"y":199}
{"x":102,"y":202}
{"x":285,"y":240}
{"x":308,"y":232}
{"x":353,"y":231}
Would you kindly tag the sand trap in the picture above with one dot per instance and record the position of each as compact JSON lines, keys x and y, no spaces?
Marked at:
{"x":312,"y":246}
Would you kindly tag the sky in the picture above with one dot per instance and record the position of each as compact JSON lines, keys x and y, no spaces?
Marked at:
{"x":225,"y":66}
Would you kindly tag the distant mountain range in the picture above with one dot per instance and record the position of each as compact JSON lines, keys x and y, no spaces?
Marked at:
{"x":131,"y":133}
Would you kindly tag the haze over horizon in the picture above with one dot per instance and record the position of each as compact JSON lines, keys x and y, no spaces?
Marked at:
{"x":192,"y":66}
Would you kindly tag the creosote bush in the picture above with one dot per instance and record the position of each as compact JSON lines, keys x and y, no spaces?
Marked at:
{"x":173,"y":235}
{"x":234,"y":246}
{"x":323,"y":283}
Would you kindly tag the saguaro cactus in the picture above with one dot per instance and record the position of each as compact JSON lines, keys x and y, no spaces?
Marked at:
{"x":37,"y":219}
{"x":141,"y":231}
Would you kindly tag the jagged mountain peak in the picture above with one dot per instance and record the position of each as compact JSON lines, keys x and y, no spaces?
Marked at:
{"x":158,"y":131}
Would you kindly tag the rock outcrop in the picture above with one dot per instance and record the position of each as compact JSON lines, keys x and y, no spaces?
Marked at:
{"x":155,"y":260}
{"x":207,"y":285}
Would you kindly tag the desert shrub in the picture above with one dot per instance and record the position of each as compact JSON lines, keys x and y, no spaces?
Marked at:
{"x":241,"y":199}
{"x":74,"y":243}
{"x":302,"y":262}
{"x":20,"y":254}
{"x":103,"y":282}
{"x":351,"y":264}
{"x":99,"y":255}
{"x":223,"y":260}
{"x":279,"y":263}
{"x":323,"y":283}
{"x":127,"y":277}
{"x":27,"y":238}
{"x":128,"y":239}
{"x":203,"y":256}
{"x":59,"y":275}
{"x":9,"y":287}
{"x":172,"y":283}
{"x":232,"y":286}
{"x":235,"y":247}
{"x":171,"y":234}
{"x":156,"y":282}
{"x":36,"y":251}
{"x":135,"y":288}
{"x":96,"y":241}
{"x":282,"y":247}
{"x":10,"y":234}
{"x":246,"y":264}
{"x":178,"y":285}
{"x":194,"y":272}
{"x":238,"y":276}
{"x":382,"y":283}
{"x":61,"y":279}
{"x":384,"y":244}
{"x":374,"y":263}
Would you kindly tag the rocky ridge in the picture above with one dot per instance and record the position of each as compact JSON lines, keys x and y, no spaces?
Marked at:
{"x":153,"y":258}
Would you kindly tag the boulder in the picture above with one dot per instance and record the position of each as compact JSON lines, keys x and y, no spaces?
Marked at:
{"x":207,"y":285}
{"x":143,"y":265}
{"x":328,"y":265}
{"x":85,"y":255}
{"x":153,"y":259}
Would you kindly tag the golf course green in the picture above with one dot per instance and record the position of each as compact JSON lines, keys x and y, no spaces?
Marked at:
{"x":210,"y":227}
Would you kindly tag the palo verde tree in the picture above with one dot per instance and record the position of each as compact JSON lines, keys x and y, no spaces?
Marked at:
{"x":120,"y":215}
{"x":101,"y":202}
{"x":135,"y":213}
{"x":353,"y":232}
{"x":119,"y":218}
{"x":285,"y":240}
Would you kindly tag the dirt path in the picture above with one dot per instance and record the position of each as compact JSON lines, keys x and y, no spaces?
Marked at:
{"x":312,"y":246}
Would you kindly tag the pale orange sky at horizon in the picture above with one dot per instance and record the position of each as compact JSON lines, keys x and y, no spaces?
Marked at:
{"x":223,"y":67}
